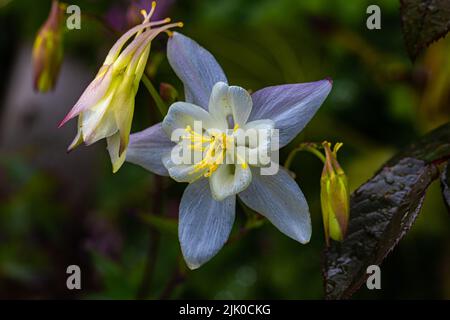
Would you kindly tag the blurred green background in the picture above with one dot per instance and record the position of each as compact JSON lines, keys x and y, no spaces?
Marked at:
{"x":58,"y":209}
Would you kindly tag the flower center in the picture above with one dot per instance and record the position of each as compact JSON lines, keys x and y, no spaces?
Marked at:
{"x":213,"y":147}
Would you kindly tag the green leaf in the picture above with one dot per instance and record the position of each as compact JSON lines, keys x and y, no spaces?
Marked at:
{"x":382,"y":211}
{"x":445,"y":184}
{"x":423,"y":22}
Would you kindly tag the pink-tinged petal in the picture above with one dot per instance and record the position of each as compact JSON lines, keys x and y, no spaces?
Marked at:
{"x":117,"y":47}
{"x":98,"y":122}
{"x":196,"y":67}
{"x":134,"y":49}
{"x":290,"y":106}
{"x":146,"y":148}
{"x":99,"y":86}
{"x":93,"y":93}
{"x":133,"y":53}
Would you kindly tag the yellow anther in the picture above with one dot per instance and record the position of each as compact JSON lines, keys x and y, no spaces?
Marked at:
{"x":243,"y":163}
{"x":148,"y":15}
{"x":213,"y":148}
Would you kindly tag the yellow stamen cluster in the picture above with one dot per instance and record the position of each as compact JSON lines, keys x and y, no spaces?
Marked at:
{"x":213,"y":147}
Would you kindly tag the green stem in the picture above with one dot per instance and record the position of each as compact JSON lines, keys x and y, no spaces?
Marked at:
{"x":154,"y":240}
{"x":155,"y":95}
{"x":307,"y":146}
{"x":177,"y":278}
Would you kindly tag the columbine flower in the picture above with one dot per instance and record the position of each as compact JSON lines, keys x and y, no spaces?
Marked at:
{"x":334,"y":195}
{"x":207,"y":208}
{"x":105,"y":109}
{"x":48,"y":49}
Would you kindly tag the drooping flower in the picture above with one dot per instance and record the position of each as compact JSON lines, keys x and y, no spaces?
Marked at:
{"x":334,"y":195}
{"x":207,"y":208}
{"x":105,"y":109}
{"x":48,"y":49}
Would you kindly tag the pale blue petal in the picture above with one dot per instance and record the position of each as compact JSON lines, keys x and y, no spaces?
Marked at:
{"x":291,"y":106}
{"x":205,"y":224}
{"x":228,"y":180}
{"x":280,"y":200}
{"x":146,"y":149}
{"x":195,"y":66}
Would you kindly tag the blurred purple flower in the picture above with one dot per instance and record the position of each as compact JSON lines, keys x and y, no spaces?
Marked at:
{"x":127,"y":14}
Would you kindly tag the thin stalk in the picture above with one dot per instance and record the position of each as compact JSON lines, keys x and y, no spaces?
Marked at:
{"x":308,"y":146}
{"x":155,"y":95}
{"x":154,"y":241}
{"x":176,"y":279}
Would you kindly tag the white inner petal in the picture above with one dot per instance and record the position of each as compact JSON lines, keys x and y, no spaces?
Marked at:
{"x":228,"y":180}
{"x":223,"y":147}
{"x":231,"y":101}
{"x":183,"y":114}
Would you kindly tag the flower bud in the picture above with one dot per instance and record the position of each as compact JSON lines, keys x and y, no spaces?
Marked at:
{"x":48,"y":49}
{"x":168,"y":93}
{"x":334,"y":196}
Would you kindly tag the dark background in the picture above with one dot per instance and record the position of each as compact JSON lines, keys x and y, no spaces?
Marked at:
{"x":58,"y":209}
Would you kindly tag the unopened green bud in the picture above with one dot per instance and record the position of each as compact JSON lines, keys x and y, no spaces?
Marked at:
{"x":334,"y":196}
{"x":48,"y":49}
